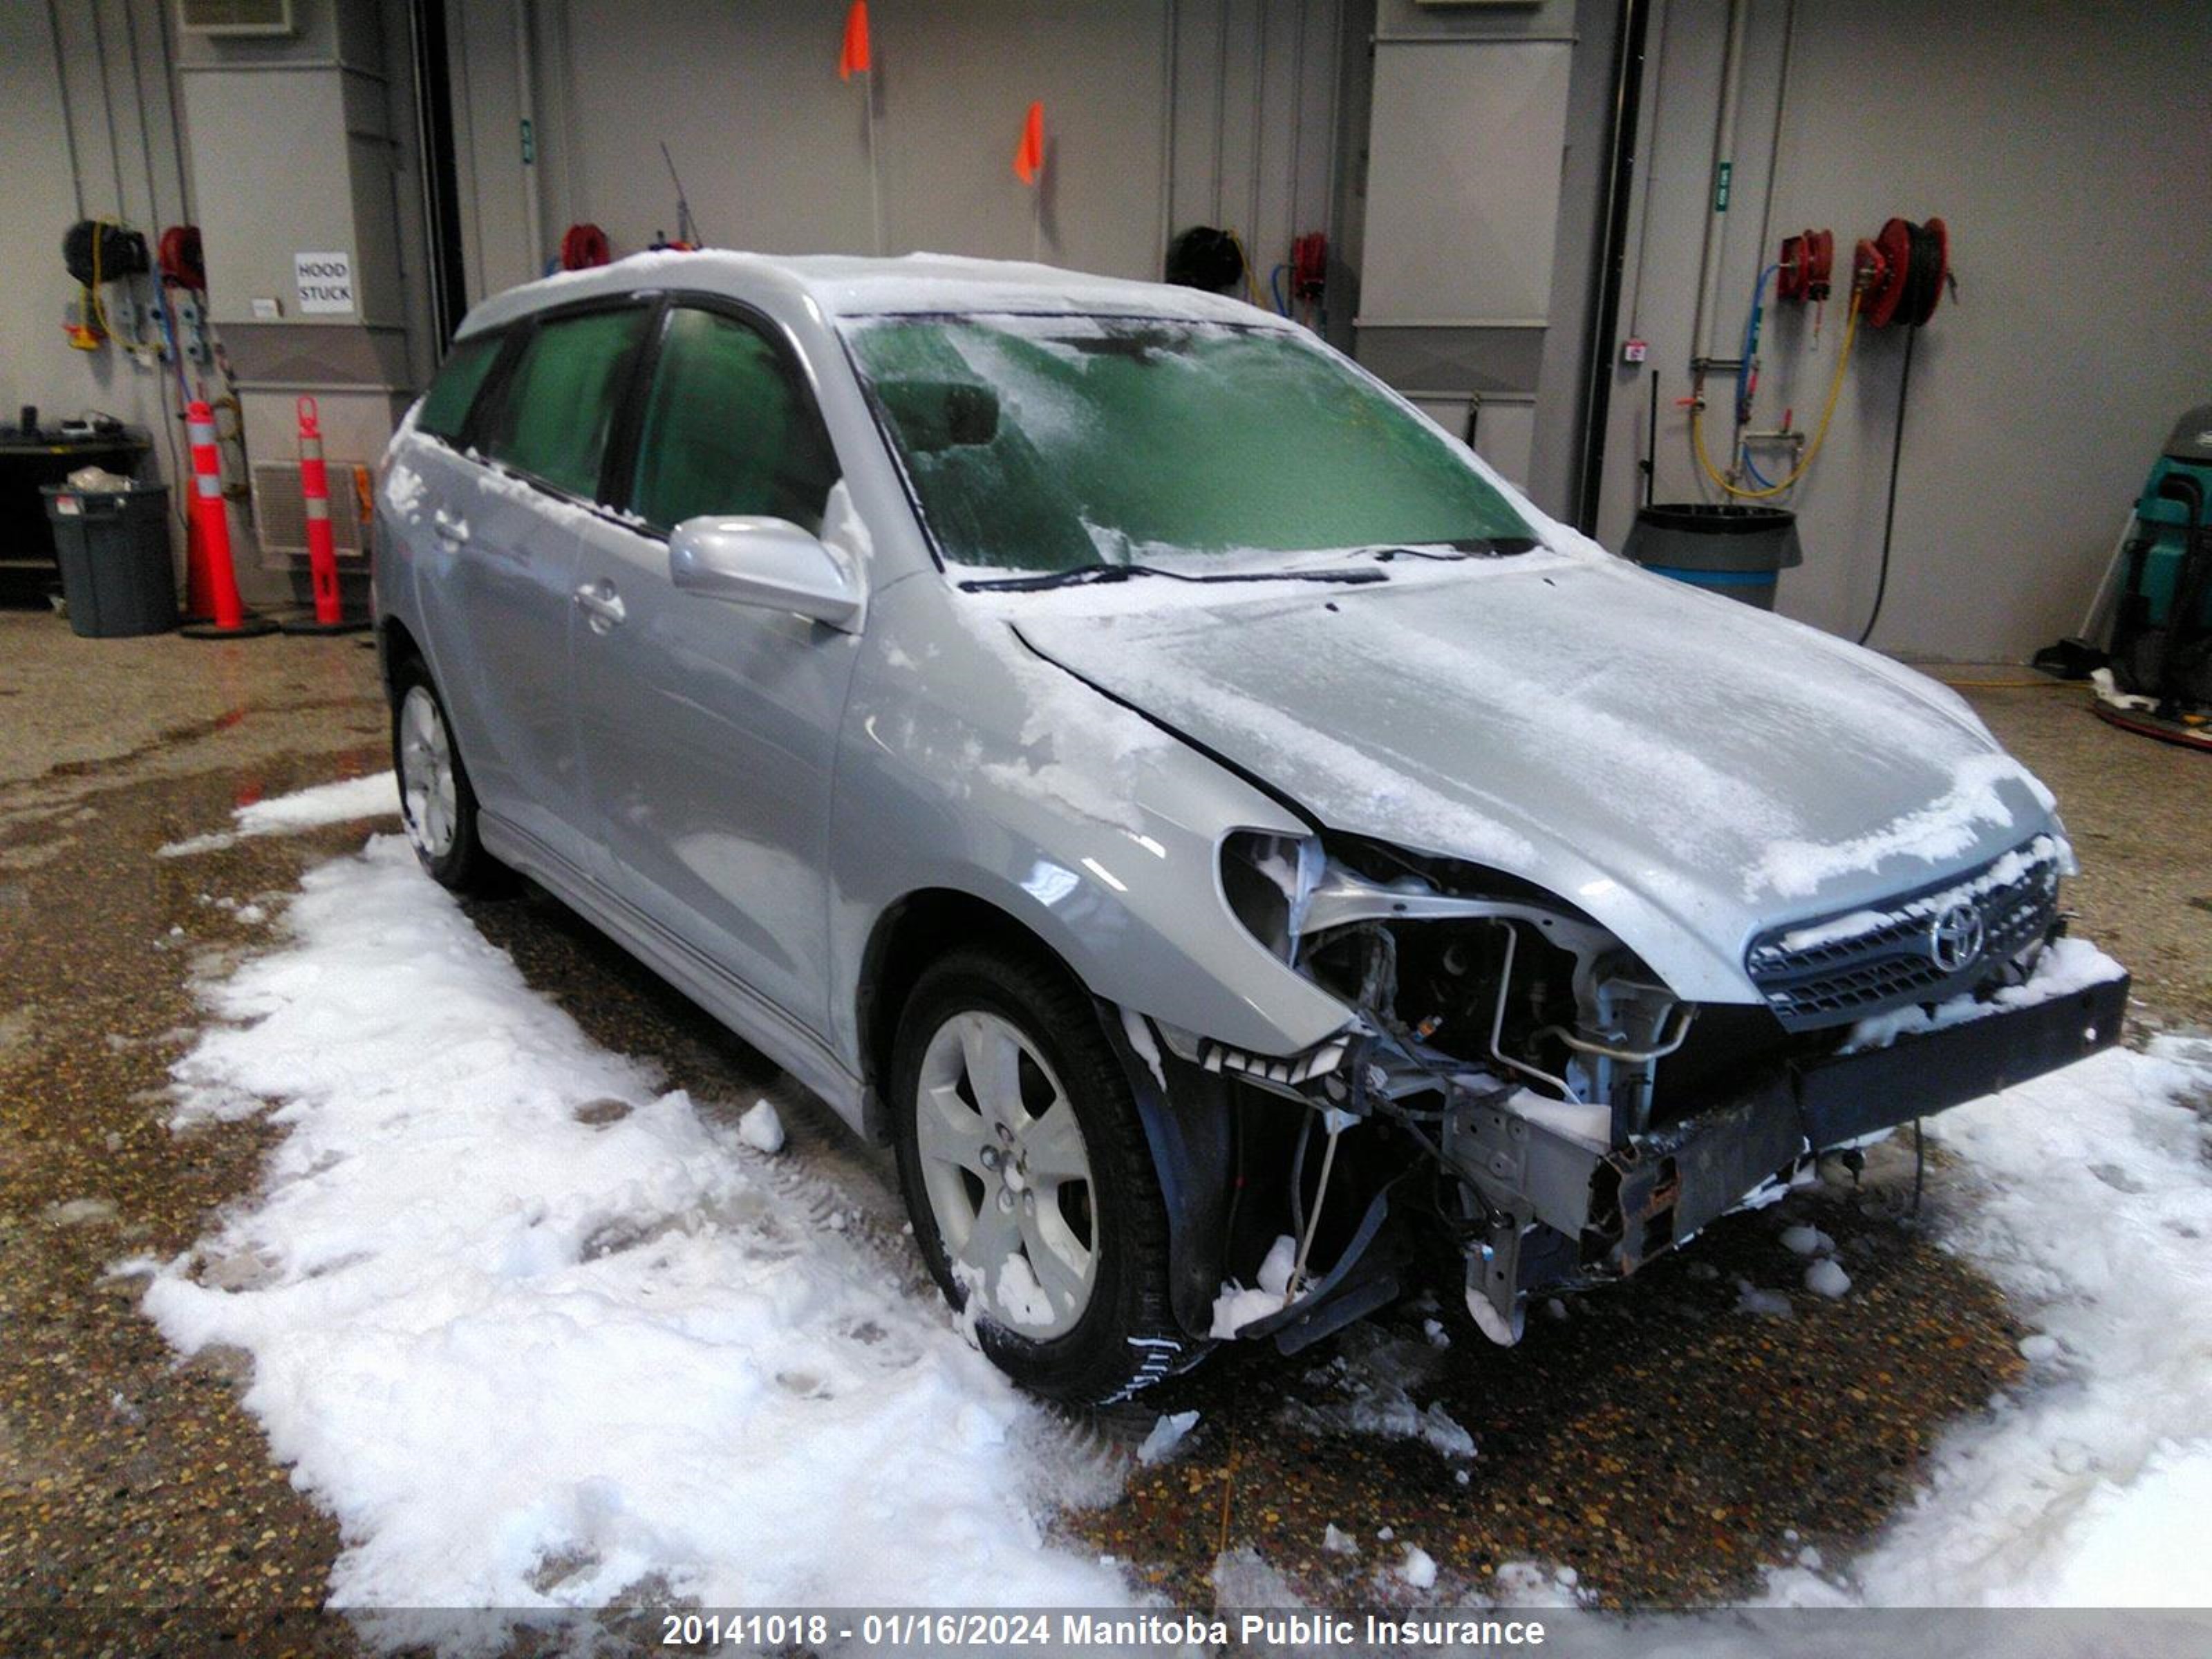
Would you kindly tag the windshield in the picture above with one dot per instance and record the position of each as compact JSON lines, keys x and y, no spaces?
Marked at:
{"x":1059,"y":444}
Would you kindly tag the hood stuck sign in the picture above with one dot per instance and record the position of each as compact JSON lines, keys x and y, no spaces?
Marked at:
{"x":325,"y":283}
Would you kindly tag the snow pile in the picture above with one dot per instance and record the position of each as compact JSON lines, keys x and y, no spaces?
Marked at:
{"x":403,"y":492}
{"x":1238,"y":1307}
{"x":1942,"y":829}
{"x":2087,"y":1195}
{"x":1167,"y":1434}
{"x":1418,"y":1568}
{"x":1807,"y":1241}
{"x":2068,"y":965}
{"x":760,"y":1129}
{"x":1764,"y":1304}
{"x":1827,"y":1278}
{"x":372,"y":797}
{"x":535,"y":1330}
{"x":1371,"y":1379}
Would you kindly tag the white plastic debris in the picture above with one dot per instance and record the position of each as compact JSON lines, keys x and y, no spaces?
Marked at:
{"x":1336,"y":1541}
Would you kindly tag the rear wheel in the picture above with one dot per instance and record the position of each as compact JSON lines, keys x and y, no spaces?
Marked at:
{"x":1031,"y":1186}
{"x":436,"y":803}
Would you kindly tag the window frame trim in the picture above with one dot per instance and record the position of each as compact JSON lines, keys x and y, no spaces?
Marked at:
{"x":622,"y":442}
{"x":650,"y":302}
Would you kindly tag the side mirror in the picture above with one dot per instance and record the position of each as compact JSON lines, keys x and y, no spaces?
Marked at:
{"x":770,"y":563}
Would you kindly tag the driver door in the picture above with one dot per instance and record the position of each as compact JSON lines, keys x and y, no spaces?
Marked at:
{"x":709,"y":729}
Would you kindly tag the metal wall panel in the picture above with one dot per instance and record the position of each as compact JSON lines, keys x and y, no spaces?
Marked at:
{"x":1463,"y":181}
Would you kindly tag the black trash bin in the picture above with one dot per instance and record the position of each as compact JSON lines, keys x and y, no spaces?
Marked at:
{"x":1732,"y":550}
{"x":113,"y":545}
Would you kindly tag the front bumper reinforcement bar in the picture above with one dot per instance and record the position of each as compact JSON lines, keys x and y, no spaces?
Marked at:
{"x":1624,"y":1206}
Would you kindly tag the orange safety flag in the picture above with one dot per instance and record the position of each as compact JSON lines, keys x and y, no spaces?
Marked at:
{"x":1029,"y":154}
{"x":852,"y":59}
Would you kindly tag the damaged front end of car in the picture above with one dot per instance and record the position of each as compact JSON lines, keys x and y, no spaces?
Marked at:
{"x":1514,"y":1080}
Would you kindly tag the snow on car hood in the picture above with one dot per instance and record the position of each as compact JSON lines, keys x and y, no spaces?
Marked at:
{"x":1686,"y":769}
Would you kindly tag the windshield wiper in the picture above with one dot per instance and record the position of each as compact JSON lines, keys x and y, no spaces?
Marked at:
{"x":1088,"y":576}
{"x":1464,"y":547}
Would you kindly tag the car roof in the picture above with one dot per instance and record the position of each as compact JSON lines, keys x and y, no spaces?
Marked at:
{"x":845,"y":286}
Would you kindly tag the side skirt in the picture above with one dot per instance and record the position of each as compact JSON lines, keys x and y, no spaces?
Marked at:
{"x":735,"y":1005}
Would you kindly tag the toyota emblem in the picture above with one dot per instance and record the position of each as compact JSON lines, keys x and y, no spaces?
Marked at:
{"x":1955,"y":940}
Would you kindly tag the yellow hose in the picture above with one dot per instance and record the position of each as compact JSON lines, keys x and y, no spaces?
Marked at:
{"x":1819,"y":434}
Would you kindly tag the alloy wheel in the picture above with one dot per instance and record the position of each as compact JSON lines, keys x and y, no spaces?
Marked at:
{"x":1007,"y":1174}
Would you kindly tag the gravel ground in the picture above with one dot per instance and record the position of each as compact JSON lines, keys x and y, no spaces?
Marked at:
{"x":1654,"y":1439}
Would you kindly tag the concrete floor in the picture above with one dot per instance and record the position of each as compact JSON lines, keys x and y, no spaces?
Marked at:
{"x":1657,"y":1443}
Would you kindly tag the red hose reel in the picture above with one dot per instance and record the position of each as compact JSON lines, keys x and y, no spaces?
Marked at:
{"x":1901,"y":272}
{"x":584,"y":247}
{"x":1807,"y":261}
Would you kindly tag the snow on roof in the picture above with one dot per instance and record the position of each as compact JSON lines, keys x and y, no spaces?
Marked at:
{"x":847,"y":286}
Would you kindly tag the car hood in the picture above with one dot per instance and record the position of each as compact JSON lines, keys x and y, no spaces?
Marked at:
{"x":1686,"y":769}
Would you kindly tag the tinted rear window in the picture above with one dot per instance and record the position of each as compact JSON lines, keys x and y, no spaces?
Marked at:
{"x":446,"y":405}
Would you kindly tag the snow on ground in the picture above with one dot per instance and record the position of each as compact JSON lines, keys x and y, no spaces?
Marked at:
{"x":326,"y":803}
{"x":2087,"y":1195}
{"x":1367,"y":1386}
{"x":535,"y":1330}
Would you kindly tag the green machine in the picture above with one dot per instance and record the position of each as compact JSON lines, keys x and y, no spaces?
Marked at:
{"x":2169,"y":514}
{"x":2155,"y":676}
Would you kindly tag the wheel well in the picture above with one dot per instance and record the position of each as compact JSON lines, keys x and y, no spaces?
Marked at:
{"x":395,"y":646}
{"x":910,"y":935}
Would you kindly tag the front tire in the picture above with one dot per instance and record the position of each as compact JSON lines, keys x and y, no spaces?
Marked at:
{"x":436,"y":802}
{"x":1031,"y":1186}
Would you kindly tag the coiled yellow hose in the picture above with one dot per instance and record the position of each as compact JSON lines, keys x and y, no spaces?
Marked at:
{"x":1820,"y":433}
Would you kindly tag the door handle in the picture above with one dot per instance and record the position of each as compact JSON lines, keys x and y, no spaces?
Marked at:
{"x":449,"y":527}
{"x":600,"y":604}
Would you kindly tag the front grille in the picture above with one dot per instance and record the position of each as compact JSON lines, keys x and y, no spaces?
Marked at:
{"x":1845,"y":967}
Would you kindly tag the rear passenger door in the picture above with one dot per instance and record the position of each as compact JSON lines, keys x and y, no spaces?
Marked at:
{"x":708,"y":729}
{"x":511,"y":551}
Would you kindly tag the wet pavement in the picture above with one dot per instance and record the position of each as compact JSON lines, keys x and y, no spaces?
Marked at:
{"x":126,"y":1479}
{"x":1655,"y":1438}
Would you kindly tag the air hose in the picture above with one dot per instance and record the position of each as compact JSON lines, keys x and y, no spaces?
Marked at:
{"x":1820,"y":433}
{"x":1747,"y":379}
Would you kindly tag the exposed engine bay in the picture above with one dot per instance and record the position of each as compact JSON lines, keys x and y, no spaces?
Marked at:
{"x":1518,"y":1079}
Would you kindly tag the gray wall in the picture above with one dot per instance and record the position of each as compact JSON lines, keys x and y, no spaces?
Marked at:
{"x":2069,"y":149}
{"x":112,"y":62}
{"x":1157,"y":116}
{"x":2068,"y":144}
{"x":306,"y":142}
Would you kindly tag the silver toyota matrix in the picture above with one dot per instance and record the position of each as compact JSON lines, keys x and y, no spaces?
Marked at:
{"x":1239,"y":851}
